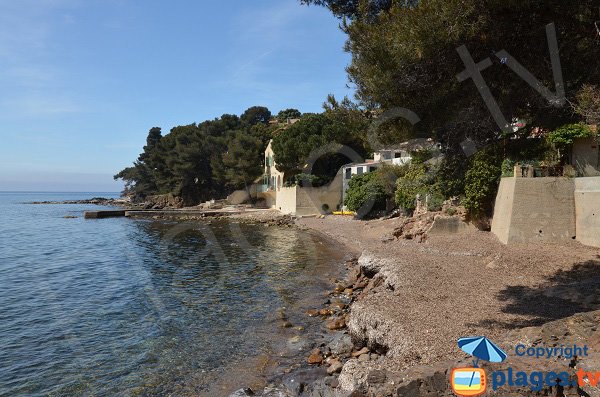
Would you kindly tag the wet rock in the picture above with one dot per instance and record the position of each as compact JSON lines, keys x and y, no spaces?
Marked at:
{"x":335,"y":323}
{"x":299,"y":344}
{"x":286,"y":324}
{"x":354,"y":275}
{"x":316,"y":357}
{"x":312,"y":312}
{"x":348,"y":291}
{"x":339,"y":288}
{"x":271,"y":391}
{"x":296,"y":383}
{"x":325,"y":312}
{"x":341,"y":345}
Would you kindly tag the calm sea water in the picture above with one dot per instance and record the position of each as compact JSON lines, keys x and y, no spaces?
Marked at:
{"x":119,"y":307}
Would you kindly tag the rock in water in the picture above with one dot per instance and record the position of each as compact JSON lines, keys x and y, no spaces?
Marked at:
{"x":341,"y":345}
{"x":316,"y":357}
{"x":336,"y":323}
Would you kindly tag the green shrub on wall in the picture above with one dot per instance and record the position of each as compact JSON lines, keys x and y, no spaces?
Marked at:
{"x":367,"y":191}
{"x":481,"y":183}
{"x":508,"y":168}
{"x":564,"y":136}
{"x":415,"y":182}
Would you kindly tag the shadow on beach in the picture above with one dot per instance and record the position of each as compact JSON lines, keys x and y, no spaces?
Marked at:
{"x":563,"y":294}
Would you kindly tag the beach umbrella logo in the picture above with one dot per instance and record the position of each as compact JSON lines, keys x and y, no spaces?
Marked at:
{"x":468,"y":382}
{"x":482,"y":348}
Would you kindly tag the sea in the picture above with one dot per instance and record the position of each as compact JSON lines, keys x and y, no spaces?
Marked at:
{"x":122,"y":307}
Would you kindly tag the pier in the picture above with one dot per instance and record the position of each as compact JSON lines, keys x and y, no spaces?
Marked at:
{"x":103,"y":214}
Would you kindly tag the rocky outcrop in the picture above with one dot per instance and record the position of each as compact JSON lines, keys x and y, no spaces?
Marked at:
{"x":162,"y":201}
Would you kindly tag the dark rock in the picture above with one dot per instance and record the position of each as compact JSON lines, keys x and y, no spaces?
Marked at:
{"x":341,"y":345}
{"x":245,"y":392}
{"x":377,"y":376}
{"x":296,"y":382}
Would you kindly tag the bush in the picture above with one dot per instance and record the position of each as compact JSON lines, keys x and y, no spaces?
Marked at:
{"x":435,"y":201}
{"x":481,"y":183}
{"x":451,"y":211}
{"x":415,"y":182}
{"x":508,"y":168}
{"x":366,"y":193}
{"x":564,"y":136}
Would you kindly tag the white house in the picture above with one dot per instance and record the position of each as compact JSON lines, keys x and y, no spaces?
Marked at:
{"x":380,"y":157}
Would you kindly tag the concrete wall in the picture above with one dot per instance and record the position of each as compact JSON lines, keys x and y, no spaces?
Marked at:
{"x":310,"y":200}
{"x":535,"y":209}
{"x":587,"y":210}
{"x":286,"y":200}
{"x":585,"y":156}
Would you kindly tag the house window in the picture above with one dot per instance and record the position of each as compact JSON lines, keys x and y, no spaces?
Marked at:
{"x":371,"y":169}
{"x":398,"y":155}
{"x":359,"y":170}
{"x":348,"y":173}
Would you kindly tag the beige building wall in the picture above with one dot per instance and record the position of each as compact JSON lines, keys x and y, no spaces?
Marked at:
{"x":275,"y":176}
{"x":587,"y":210}
{"x":535,"y":209}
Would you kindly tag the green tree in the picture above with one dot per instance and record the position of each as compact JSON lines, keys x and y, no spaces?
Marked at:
{"x":303,"y":141}
{"x":255,"y":115}
{"x":243,"y":160}
{"x":283,"y":115}
{"x":404,"y":54}
{"x":201,"y":161}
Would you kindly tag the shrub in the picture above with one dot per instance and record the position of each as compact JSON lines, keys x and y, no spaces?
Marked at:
{"x":366,"y":193}
{"x":564,"y":136}
{"x":435,"y":201}
{"x":481,"y":183}
{"x":451,"y":211}
{"x":508,"y":168}
{"x":415,"y":182}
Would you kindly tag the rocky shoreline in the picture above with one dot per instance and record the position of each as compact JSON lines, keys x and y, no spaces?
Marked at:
{"x":95,"y":201}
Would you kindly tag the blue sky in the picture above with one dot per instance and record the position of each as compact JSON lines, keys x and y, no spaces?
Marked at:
{"x":82,"y":81}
